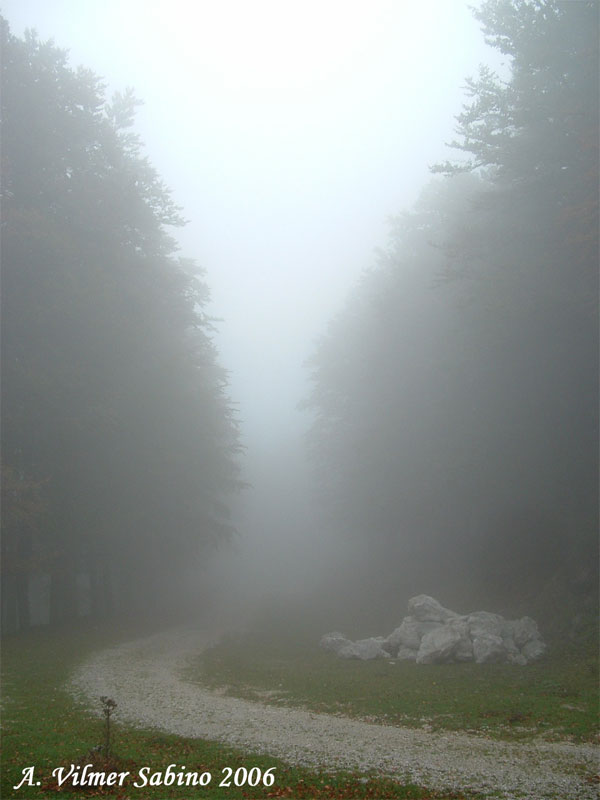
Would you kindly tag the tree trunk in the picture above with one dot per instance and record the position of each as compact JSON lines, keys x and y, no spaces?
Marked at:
{"x":63,"y":594}
{"x":107,"y":588}
{"x":96,"y":610}
{"x":25,"y":556}
{"x":9,"y":605}
{"x":22,"y":600}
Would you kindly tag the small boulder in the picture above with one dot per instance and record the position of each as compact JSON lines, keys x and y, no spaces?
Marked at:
{"x":427,"y":609}
{"x":368,"y":649}
{"x":533,"y":650}
{"x":525,"y":630}
{"x":348,"y":650}
{"x":406,"y":654}
{"x":408,"y":634}
{"x":438,"y":645}
{"x":517,"y":659}
{"x":464,"y":649}
{"x":484,"y":623}
{"x":488,"y":648}
{"x":334,"y":642}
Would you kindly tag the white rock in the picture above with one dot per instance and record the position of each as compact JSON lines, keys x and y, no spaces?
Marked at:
{"x":427,"y":609}
{"x":408,"y":634}
{"x":348,"y":650}
{"x":488,"y":648}
{"x":510,"y":647}
{"x":368,"y":649}
{"x":434,"y":634}
{"x":406,"y":654}
{"x":516,"y":658}
{"x":438,"y":645}
{"x":485,"y":623}
{"x":464,"y":649}
{"x":533,"y":650}
{"x":334,"y":641}
{"x":525,"y":630}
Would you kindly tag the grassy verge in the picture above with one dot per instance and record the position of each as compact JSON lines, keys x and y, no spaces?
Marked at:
{"x":556,"y":697}
{"x":44,"y":728}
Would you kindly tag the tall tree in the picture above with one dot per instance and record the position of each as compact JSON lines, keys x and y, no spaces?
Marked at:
{"x":456,"y":397}
{"x":112,"y":395}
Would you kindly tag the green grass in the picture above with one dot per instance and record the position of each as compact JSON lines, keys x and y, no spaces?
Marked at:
{"x":43,"y":727}
{"x":554,"y":698}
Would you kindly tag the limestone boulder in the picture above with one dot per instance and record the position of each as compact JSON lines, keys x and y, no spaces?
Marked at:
{"x":433,"y":634}
{"x":334,"y":641}
{"x":464,"y":648}
{"x":484,"y":623}
{"x":507,"y":638}
{"x":516,"y":658}
{"x":408,"y":634}
{"x":348,"y":650}
{"x":489,"y":648}
{"x":368,"y":649}
{"x":438,"y":645}
{"x":533,"y":650}
{"x":427,"y":609}
{"x":525,"y":630}
{"x":406,"y":654}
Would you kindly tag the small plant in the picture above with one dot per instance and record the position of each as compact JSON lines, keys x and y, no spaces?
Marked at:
{"x":108,"y":706}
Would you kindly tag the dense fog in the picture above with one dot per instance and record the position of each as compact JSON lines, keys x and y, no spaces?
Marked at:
{"x":312,"y":330}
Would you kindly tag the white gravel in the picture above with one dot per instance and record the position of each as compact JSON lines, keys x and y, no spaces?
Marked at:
{"x":142,"y":677}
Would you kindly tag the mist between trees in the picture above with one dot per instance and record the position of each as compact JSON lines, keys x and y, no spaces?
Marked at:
{"x":118,"y":440}
{"x":455,"y":397}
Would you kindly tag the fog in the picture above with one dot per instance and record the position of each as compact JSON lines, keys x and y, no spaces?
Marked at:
{"x":289,"y":134}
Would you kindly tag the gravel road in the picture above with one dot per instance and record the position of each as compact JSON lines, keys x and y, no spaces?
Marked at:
{"x":143,"y":677}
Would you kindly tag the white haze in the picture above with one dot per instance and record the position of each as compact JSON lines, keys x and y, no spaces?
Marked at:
{"x":289,"y":132}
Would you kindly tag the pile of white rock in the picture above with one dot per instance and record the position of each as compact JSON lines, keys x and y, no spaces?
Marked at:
{"x":432,"y":634}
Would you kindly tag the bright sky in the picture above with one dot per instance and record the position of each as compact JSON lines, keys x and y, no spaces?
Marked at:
{"x":289,"y":131}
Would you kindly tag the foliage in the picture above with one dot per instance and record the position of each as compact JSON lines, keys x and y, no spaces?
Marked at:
{"x":456,"y":396}
{"x":112,"y":394}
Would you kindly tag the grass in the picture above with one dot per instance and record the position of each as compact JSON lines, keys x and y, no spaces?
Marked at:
{"x":43,"y":727}
{"x":555,"y":698}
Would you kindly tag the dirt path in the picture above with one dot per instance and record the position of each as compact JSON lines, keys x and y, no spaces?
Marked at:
{"x":143,"y":677}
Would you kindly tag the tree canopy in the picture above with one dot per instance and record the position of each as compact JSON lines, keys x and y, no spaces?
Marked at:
{"x":456,"y":396}
{"x":114,"y":405}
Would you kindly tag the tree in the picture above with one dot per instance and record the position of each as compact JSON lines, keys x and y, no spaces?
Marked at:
{"x":456,"y":398}
{"x":536,"y":138}
{"x":537,"y":134}
{"x":22,"y":516}
{"x":112,"y":394}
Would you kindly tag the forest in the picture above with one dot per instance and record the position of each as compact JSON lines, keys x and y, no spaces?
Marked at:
{"x":118,"y":438}
{"x":285,"y":355}
{"x":456,"y":395}
{"x":454,"y":398}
